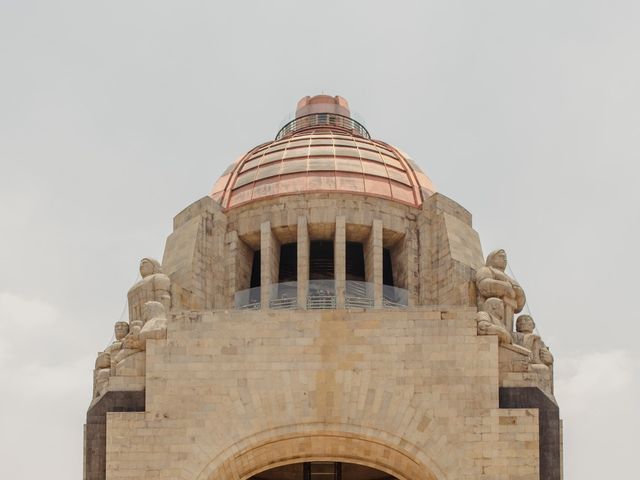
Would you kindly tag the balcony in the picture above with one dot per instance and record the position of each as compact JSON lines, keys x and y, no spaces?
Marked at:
{"x":321,"y":295}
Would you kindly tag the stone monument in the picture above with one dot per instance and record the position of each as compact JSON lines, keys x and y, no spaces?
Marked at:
{"x":324,"y":313}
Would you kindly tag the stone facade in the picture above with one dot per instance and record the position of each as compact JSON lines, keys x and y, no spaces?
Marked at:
{"x":424,"y":380}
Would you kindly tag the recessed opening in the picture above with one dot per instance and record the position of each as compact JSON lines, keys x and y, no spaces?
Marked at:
{"x":288,"y":270}
{"x":323,"y":471}
{"x":321,"y":260}
{"x":354,"y":262}
{"x":255,"y":270}
{"x":387,"y":267}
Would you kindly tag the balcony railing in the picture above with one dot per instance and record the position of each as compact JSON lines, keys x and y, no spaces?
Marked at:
{"x":248,"y":299}
{"x":358,"y":294}
{"x":322,"y":296}
{"x":284,"y":296}
{"x":323,"y":120}
{"x":394,"y":297}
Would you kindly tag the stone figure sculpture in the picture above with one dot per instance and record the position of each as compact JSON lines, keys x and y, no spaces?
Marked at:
{"x":524,"y":336}
{"x":154,"y":286}
{"x":490,"y":320}
{"x":155,"y":323}
{"x":492,"y":281}
{"x":102,"y":370}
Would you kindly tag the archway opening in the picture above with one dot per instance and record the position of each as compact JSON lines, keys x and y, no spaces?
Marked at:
{"x":323,"y":471}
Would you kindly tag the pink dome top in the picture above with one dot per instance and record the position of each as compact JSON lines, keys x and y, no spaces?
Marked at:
{"x":322,"y":152}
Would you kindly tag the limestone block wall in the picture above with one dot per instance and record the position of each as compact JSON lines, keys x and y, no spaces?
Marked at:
{"x":450,"y":253}
{"x":193,"y":255}
{"x":412,"y":392}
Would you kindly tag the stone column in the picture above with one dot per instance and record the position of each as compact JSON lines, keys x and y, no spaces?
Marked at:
{"x":373,"y":261}
{"x":303,"y":261}
{"x":339,"y":263}
{"x":269,"y":262}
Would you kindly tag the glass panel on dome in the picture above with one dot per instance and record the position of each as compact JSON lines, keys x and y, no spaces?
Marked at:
{"x":398,"y":176}
{"x":265,"y":188}
{"x":349,"y":182}
{"x":402,"y":192}
{"x":299,"y":141}
{"x":348,"y":165}
{"x":321,"y":141}
{"x":377,"y":186}
{"x":296,"y":152}
{"x":369,"y":155}
{"x":393,"y":162}
{"x":250,"y":164}
{"x":347,"y":152}
{"x":321,"y":151}
{"x":270,"y":170}
{"x":241,"y":195}
{"x":271,"y":157}
{"x":293,"y":183}
{"x":292,"y":166}
{"x":387,"y":151}
{"x":319,"y":181}
{"x":322,"y":163}
{"x":372,"y":168}
{"x":245,"y":178}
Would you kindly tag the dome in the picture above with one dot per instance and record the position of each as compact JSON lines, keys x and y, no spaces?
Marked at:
{"x":322,"y":150}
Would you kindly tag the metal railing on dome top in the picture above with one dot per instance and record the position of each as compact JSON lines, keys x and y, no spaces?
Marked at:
{"x":322,"y":296}
{"x":323,"y":120}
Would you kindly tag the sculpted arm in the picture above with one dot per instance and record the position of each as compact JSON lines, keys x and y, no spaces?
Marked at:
{"x":489,"y":287}
{"x":521,"y":299}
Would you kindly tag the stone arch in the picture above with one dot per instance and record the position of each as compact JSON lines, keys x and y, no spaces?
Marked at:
{"x":257,"y":454}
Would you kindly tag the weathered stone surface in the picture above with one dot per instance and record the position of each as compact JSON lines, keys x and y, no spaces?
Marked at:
{"x":423,"y":379}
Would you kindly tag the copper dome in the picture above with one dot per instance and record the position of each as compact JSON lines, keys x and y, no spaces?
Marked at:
{"x":322,"y":151}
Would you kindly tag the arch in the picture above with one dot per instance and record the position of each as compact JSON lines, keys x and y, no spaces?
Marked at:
{"x":254,"y":456}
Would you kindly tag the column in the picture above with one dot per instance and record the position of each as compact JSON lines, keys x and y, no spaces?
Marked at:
{"x":269,"y":262}
{"x":339,"y":256}
{"x":373,"y":261}
{"x":303,"y":261}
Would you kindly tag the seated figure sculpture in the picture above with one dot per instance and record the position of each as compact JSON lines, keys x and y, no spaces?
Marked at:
{"x":492,"y":281}
{"x":491,"y":322}
{"x":154,"y":286}
{"x":524,"y":336}
{"x":102,"y":370}
{"x":152,"y":326}
{"x":155,"y":323}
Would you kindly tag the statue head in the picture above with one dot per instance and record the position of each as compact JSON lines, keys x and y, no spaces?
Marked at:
{"x":149,"y":266}
{"x":494,"y":307}
{"x":525,"y":324}
{"x":121,"y":329}
{"x":497,"y":259}
{"x":152,"y":310}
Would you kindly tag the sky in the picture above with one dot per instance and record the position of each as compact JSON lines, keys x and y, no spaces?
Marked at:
{"x":114,"y":116}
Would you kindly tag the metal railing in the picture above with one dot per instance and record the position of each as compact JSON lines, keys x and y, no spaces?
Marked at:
{"x":247,"y":299}
{"x":358,"y":294}
{"x":323,"y":120}
{"x":322,"y":295}
{"x":284,"y":296}
{"x":394,"y":297}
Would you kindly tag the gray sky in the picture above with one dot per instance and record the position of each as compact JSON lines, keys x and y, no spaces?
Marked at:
{"x":114,"y":116}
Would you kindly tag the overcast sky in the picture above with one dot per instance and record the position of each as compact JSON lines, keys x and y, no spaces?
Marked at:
{"x":115,"y":115}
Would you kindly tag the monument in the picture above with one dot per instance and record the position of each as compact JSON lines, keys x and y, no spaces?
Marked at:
{"x":324,"y":314}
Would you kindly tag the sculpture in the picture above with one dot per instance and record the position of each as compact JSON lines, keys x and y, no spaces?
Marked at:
{"x":524,"y":336}
{"x":490,"y":320}
{"x":491,"y":281}
{"x":154,"y":286}
{"x":102,"y":370}
{"x":155,"y":323}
